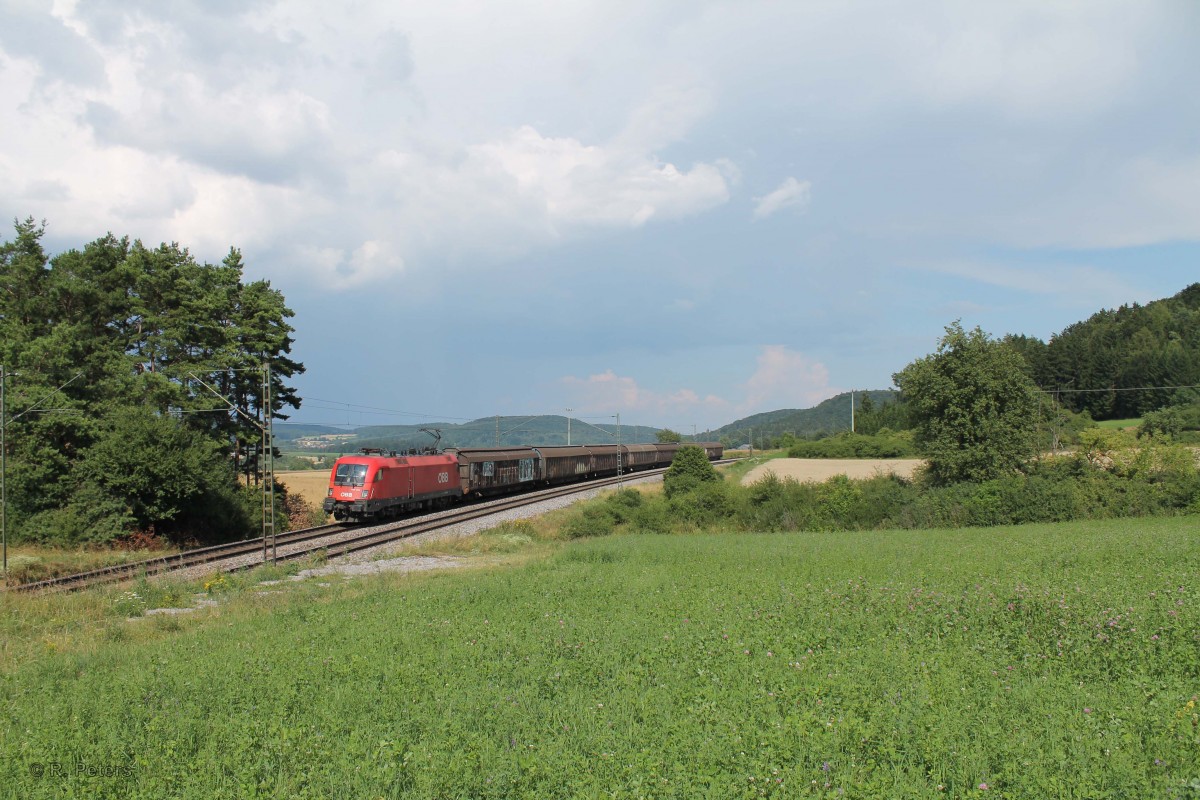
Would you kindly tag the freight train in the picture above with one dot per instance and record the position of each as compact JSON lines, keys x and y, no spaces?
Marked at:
{"x":376,"y":485}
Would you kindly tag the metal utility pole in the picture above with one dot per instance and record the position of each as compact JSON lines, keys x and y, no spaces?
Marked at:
{"x":267,"y":455}
{"x":569,"y":410}
{"x":3,"y":474}
{"x":620,"y":482}
{"x":268,"y":465}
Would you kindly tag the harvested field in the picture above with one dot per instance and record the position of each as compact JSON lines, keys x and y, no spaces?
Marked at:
{"x":816,"y":470}
{"x":308,"y":483}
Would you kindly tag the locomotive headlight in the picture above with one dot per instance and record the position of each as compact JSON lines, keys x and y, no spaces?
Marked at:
{"x":329,"y":492}
{"x":364,"y":494}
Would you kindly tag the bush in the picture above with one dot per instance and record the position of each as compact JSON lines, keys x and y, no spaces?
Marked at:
{"x":622,"y":505}
{"x":592,"y":520}
{"x":707,"y":503}
{"x":854,"y":445}
{"x":688,"y":470}
{"x":653,"y":516}
{"x":91,"y":518}
{"x":1101,"y":482}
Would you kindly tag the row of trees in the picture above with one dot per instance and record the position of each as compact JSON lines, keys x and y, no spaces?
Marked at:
{"x":1109,"y":364}
{"x":980,"y":408}
{"x":135,"y":439}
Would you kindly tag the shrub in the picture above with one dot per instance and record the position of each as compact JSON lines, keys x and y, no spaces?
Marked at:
{"x":689,"y":469}
{"x":592,"y":520}
{"x":707,"y":503}
{"x":653,"y":516}
{"x":622,"y":505}
{"x":853,"y":445}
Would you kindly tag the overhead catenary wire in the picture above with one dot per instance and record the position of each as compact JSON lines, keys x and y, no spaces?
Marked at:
{"x":1117,"y":389}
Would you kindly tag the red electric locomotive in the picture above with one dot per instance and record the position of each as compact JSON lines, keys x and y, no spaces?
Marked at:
{"x":376,"y":485}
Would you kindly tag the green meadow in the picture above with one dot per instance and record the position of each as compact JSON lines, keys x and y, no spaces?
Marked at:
{"x":1023,"y":662}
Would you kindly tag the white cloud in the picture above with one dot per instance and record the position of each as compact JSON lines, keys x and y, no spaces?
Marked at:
{"x":791,"y":193}
{"x":785,"y":379}
{"x":608,"y":392}
{"x":1088,"y":284}
{"x":477,"y":133}
{"x":571,"y":184}
{"x":314,"y":132}
{"x":782,"y":378}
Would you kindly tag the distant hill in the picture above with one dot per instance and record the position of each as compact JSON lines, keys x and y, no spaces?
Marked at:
{"x":1098,"y":364}
{"x":486,"y":432}
{"x":287,"y":431}
{"x":828,"y":416}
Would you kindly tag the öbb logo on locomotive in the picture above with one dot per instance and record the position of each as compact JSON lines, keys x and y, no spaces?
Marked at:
{"x":375,"y":485}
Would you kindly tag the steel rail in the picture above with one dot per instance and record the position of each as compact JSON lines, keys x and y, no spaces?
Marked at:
{"x":214,"y":554}
{"x":160,"y":564}
{"x":404,"y":530}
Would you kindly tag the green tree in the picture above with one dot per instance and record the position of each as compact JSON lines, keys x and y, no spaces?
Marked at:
{"x":974,"y":406}
{"x":121,"y":326}
{"x":1166,"y":422}
{"x":689,"y":469}
{"x":172,"y":479}
{"x":668,"y":436}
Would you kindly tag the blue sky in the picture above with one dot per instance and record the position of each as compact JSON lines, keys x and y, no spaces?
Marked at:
{"x":682,"y":212}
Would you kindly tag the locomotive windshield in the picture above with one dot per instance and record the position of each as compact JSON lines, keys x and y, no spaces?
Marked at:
{"x":350,"y":475}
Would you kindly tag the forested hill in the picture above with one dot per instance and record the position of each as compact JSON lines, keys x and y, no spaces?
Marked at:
{"x":546,"y":429}
{"x":1101,"y":364}
{"x":826,"y":417}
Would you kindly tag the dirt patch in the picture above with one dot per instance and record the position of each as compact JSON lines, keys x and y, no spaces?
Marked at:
{"x":398,"y":564}
{"x":311,"y":484}
{"x":816,"y":470}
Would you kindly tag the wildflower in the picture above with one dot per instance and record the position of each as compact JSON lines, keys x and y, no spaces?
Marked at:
{"x":1087,"y":710}
{"x":983,"y":787}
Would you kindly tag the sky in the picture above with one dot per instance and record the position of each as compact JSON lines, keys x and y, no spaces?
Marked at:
{"x":680,"y":211}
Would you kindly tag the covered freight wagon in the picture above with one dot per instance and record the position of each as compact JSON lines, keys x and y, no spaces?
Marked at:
{"x":491,"y":471}
{"x":563,"y":464}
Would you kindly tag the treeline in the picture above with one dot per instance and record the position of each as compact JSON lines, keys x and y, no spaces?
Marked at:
{"x":1101,"y":365}
{"x":1133,"y":362}
{"x":1106,"y":479}
{"x":135,"y":389}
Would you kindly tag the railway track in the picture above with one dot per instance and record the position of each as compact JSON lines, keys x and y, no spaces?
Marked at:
{"x":332,"y":539}
{"x":162,"y":564}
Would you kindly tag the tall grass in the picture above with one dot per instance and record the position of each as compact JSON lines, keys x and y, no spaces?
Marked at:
{"x":1036,"y":661}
